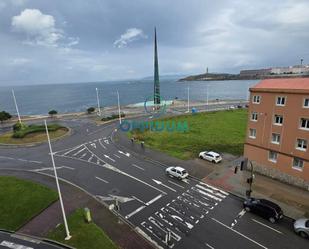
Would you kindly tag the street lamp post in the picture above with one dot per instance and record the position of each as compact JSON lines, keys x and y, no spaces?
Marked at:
{"x":119,"y":113}
{"x":188,"y":99}
{"x":99,"y":109}
{"x":19,"y":119}
{"x":68,"y":236}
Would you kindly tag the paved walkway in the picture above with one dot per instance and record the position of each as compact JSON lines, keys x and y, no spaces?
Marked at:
{"x":293,"y":200}
{"x":122,"y":234}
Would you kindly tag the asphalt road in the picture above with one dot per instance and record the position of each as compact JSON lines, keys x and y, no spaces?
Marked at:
{"x":191,"y":213}
{"x":17,"y":241}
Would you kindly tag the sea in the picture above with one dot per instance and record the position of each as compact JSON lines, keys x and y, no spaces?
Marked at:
{"x":77,"y":97}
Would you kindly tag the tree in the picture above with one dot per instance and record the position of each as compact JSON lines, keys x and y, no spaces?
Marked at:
{"x":4,"y":116}
{"x":90,"y":110}
{"x":52,"y":113}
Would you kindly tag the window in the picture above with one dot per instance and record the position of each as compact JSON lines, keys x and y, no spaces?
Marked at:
{"x":256,"y":99}
{"x":252,"y":133}
{"x":275,"y":138}
{"x":298,"y":164}
{"x":278,"y":119}
{"x":280,"y":101}
{"x":254,"y":116}
{"x":301,"y":144}
{"x":272,"y":156}
{"x":306,"y":103}
{"x":304,"y":123}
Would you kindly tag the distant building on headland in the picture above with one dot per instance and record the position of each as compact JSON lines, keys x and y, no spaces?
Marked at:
{"x":297,"y":69}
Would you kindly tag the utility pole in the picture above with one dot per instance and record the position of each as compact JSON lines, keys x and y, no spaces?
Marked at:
{"x":99,"y":109}
{"x":188,"y":99}
{"x":19,"y":120}
{"x":301,"y":62}
{"x":119,"y":113}
{"x":68,"y":236}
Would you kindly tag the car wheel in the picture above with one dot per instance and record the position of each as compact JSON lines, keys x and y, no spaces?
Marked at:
{"x":303,"y":234}
{"x":272,"y":220}
{"x":247,"y":209}
{"x":213,"y":161}
{"x":201,"y":157}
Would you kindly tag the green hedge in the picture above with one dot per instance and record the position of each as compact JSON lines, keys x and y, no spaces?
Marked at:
{"x":113,"y":116}
{"x":35,"y":128}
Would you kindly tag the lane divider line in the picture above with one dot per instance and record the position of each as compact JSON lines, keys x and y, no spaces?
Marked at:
{"x":175,"y":184}
{"x":135,"y":212}
{"x":136,"y":166}
{"x":102,"y":180}
{"x":275,"y":230}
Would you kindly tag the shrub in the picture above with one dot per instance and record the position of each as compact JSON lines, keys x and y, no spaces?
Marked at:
{"x":4,"y":116}
{"x":19,"y":126}
{"x":90,"y":110}
{"x":113,"y":116}
{"x":52,"y":112}
{"x":35,"y":128}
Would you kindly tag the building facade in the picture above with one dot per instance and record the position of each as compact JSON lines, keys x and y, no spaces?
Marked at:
{"x":278,"y":130}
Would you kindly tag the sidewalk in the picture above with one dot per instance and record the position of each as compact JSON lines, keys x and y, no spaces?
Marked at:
{"x":121,"y":233}
{"x":294,"y":201}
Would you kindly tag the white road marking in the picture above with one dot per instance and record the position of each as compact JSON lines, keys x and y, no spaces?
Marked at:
{"x":79,"y":151}
{"x":85,"y":154}
{"x":51,"y":168}
{"x":124,"y":153}
{"x":214,"y":192}
{"x":209,"y":246}
{"x":176,"y":184}
{"x":136,"y":166}
{"x":160,"y":183}
{"x":100,"y":142}
{"x":102,"y":180}
{"x":153,"y":200}
{"x":13,"y":245}
{"x":110,"y":167}
{"x":108,"y":157}
{"x":22,"y":160}
{"x":116,"y":156}
{"x":90,"y":158}
{"x":241,"y":213}
{"x":277,"y":231}
{"x":139,"y":200}
{"x":93,"y":145}
{"x":212,"y":187}
{"x":231,"y":229}
{"x":35,"y":162}
{"x":207,"y":194}
{"x":6,"y":157}
{"x":72,"y":149}
{"x":106,"y":141}
{"x":135,"y":212}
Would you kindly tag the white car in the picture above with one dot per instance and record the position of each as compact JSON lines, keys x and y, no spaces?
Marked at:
{"x":178,"y":172}
{"x":210,"y":156}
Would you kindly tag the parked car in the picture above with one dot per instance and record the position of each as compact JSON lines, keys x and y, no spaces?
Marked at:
{"x":264,"y":208}
{"x":210,"y":156}
{"x":239,"y":106}
{"x":301,"y":227}
{"x":178,"y":172}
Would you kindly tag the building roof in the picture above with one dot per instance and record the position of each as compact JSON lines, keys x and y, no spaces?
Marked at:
{"x":282,"y":85}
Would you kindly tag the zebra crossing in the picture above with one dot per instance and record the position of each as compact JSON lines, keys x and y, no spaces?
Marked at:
{"x":176,"y":219}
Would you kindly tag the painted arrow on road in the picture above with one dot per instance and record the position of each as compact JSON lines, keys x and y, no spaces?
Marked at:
{"x":126,"y":154}
{"x":109,"y":158}
{"x":160,"y":183}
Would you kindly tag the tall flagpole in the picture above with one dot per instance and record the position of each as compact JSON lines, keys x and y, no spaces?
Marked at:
{"x":68,"y":236}
{"x":19,"y":120}
{"x":99,"y":109}
{"x":119,"y":107}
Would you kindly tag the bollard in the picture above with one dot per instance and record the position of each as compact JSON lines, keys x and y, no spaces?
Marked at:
{"x":87,"y":215}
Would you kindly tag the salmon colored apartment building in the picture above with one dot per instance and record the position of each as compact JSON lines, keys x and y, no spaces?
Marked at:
{"x":278,"y":130}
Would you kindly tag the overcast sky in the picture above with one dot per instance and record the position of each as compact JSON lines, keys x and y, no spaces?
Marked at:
{"x":57,"y":41}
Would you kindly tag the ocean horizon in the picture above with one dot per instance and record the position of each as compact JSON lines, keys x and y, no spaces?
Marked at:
{"x":77,"y":97}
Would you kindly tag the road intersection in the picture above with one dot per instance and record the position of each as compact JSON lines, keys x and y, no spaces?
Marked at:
{"x":170,"y":213}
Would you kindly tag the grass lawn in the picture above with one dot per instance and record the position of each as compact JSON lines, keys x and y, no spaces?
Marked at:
{"x":20,"y":200}
{"x":222,"y":131}
{"x":84,"y":235}
{"x":39,"y":136}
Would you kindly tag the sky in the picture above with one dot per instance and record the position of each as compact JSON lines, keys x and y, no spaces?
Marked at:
{"x":59,"y":41}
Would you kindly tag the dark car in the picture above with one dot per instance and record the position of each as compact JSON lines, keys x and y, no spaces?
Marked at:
{"x":264,"y":208}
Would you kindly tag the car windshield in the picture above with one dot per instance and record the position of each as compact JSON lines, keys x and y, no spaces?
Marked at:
{"x":217,"y":157}
{"x":183,"y":172}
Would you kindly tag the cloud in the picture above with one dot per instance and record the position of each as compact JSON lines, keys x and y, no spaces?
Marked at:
{"x":39,"y":28}
{"x":130,"y":35}
{"x":19,"y":61}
